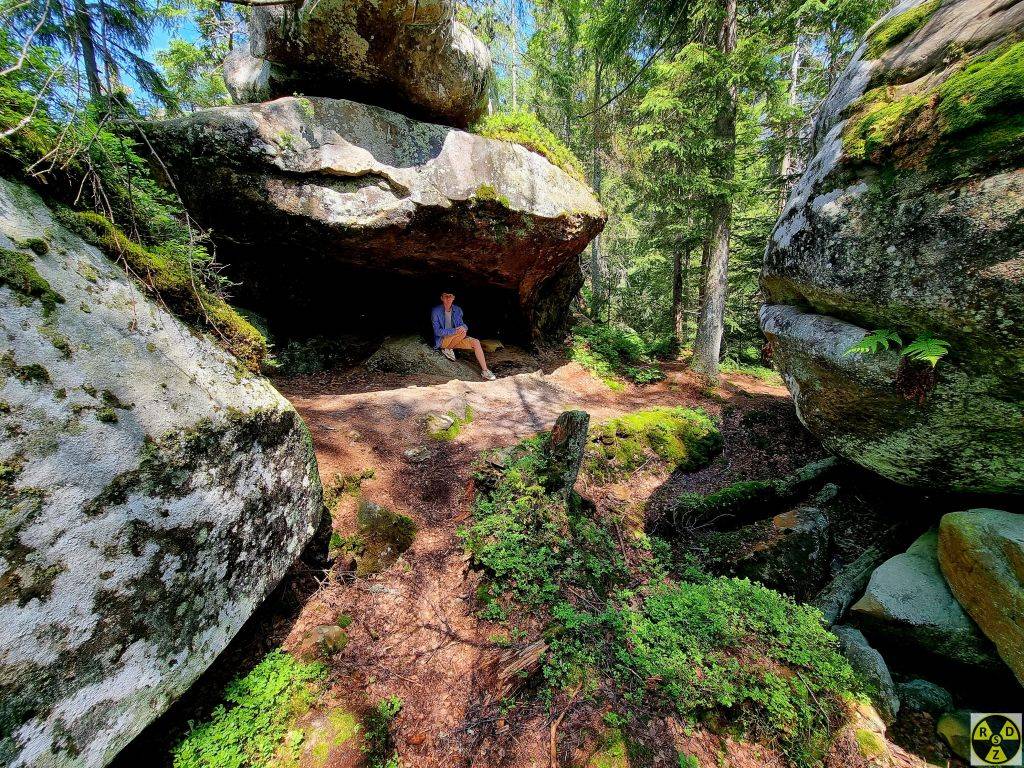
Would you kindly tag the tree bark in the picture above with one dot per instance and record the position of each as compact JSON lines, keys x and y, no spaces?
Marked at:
{"x":787,"y":165}
{"x":595,"y":245}
{"x":707,"y":345}
{"x":678,"y":316}
{"x":84,"y":32}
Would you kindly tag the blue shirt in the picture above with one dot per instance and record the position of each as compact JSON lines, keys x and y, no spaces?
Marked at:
{"x":437,"y":320}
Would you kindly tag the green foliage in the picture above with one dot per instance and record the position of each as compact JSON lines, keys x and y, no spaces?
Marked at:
{"x":378,"y":743}
{"x":924,"y":348}
{"x":767,"y":375}
{"x":874,"y":342}
{"x":679,"y":438}
{"x":732,"y":646}
{"x":192,"y":73}
{"x":247,"y":730}
{"x":317,"y":353}
{"x":524,"y":128}
{"x":900,"y":27}
{"x":613,"y":353}
{"x":704,"y":647}
{"x":167,"y":272}
{"x":18,"y":273}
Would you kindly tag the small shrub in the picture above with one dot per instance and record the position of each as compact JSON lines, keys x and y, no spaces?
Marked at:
{"x":378,"y":743}
{"x":248,"y":729}
{"x":613,"y":353}
{"x":524,"y":128}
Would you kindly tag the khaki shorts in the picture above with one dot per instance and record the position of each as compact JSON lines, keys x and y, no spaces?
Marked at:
{"x":454,"y":342}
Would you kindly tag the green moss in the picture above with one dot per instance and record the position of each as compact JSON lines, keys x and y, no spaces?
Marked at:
{"x":18,"y":273}
{"x":487,"y":192}
{"x":107,"y":415}
{"x":615,"y":354}
{"x":524,"y":128}
{"x":249,"y":728}
{"x":900,"y":27}
{"x":383,"y":536}
{"x":612,"y":752}
{"x":678,"y":438}
{"x":971,"y":117}
{"x":168,"y":274}
{"x":342,"y":485}
{"x":38,"y":245}
{"x":378,"y":743}
{"x":452,"y":431}
{"x":31,"y":373}
{"x":870,"y":744}
{"x":59,"y":340}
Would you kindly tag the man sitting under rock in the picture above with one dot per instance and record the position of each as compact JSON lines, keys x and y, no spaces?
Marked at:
{"x":450,"y":333}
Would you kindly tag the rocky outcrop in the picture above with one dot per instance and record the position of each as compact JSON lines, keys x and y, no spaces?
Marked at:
{"x":981,"y":553}
{"x":151,"y":494}
{"x":909,"y":218}
{"x":409,"y":355}
{"x":320,"y":191}
{"x":908,"y":605}
{"x":870,"y":666}
{"x":401,"y":54}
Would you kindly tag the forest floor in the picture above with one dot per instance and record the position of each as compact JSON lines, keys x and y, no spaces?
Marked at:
{"x":415,"y":632}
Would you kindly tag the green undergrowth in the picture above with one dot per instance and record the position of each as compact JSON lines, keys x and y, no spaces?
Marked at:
{"x":761,"y":372}
{"x":972,"y":117}
{"x":631,"y":632}
{"x":524,"y":128}
{"x":678,"y":438}
{"x":378,"y":742}
{"x":249,"y":728}
{"x":166,"y":272}
{"x":19,"y":274}
{"x":900,"y":27}
{"x":615,"y":354}
{"x":342,"y":485}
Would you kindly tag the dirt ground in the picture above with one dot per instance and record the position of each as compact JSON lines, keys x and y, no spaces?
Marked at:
{"x":414,"y":631}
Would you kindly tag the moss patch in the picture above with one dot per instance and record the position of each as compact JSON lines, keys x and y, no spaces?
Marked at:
{"x":900,"y":27}
{"x":487,"y":192}
{"x":612,"y":751}
{"x":382,"y":536}
{"x":167,"y":274}
{"x":524,"y":128}
{"x":870,"y":744}
{"x":677,"y":438}
{"x":452,"y":431}
{"x":972,"y":117}
{"x":342,"y":485}
{"x":18,"y":273}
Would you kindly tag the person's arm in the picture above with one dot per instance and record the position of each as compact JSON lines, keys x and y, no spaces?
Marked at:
{"x":437,"y":318}
{"x":457,"y":320}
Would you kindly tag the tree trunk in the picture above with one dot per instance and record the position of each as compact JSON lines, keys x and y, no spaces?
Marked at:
{"x":715,"y":262}
{"x":787,"y":165}
{"x":84,"y":32}
{"x":596,"y":283}
{"x":678,"y":316}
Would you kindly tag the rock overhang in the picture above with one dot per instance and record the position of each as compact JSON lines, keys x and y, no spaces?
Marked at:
{"x":364,"y":194}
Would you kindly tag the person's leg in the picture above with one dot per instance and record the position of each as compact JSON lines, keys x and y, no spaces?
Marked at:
{"x":455,"y":340}
{"x":468,"y":342}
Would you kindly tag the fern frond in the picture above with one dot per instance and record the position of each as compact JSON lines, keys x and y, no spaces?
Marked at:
{"x":926,"y":348}
{"x":877,"y":340}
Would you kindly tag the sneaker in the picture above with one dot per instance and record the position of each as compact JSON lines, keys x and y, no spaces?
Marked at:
{"x":488,"y":375}
{"x":449,"y":353}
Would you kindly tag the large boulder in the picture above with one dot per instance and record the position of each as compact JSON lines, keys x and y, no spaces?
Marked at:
{"x":871,"y":668}
{"x":402,"y":54}
{"x":909,"y":218}
{"x":308,"y":195}
{"x":908,"y":606}
{"x":151,"y":494}
{"x":981,"y":553}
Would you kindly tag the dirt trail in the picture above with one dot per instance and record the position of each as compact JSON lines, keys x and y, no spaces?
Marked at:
{"x":414,"y":632}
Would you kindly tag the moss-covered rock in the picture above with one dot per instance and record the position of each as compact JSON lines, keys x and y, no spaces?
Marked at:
{"x":675,"y":438}
{"x":150,"y":496}
{"x":368,"y":191}
{"x":981,"y":553}
{"x":908,"y":219}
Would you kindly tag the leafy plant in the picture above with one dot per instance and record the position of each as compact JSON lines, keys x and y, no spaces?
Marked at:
{"x":247,"y":730}
{"x":378,"y":744}
{"x":876,"y":341}
{"x":926,"y":348}
{"x":614,"y":353}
